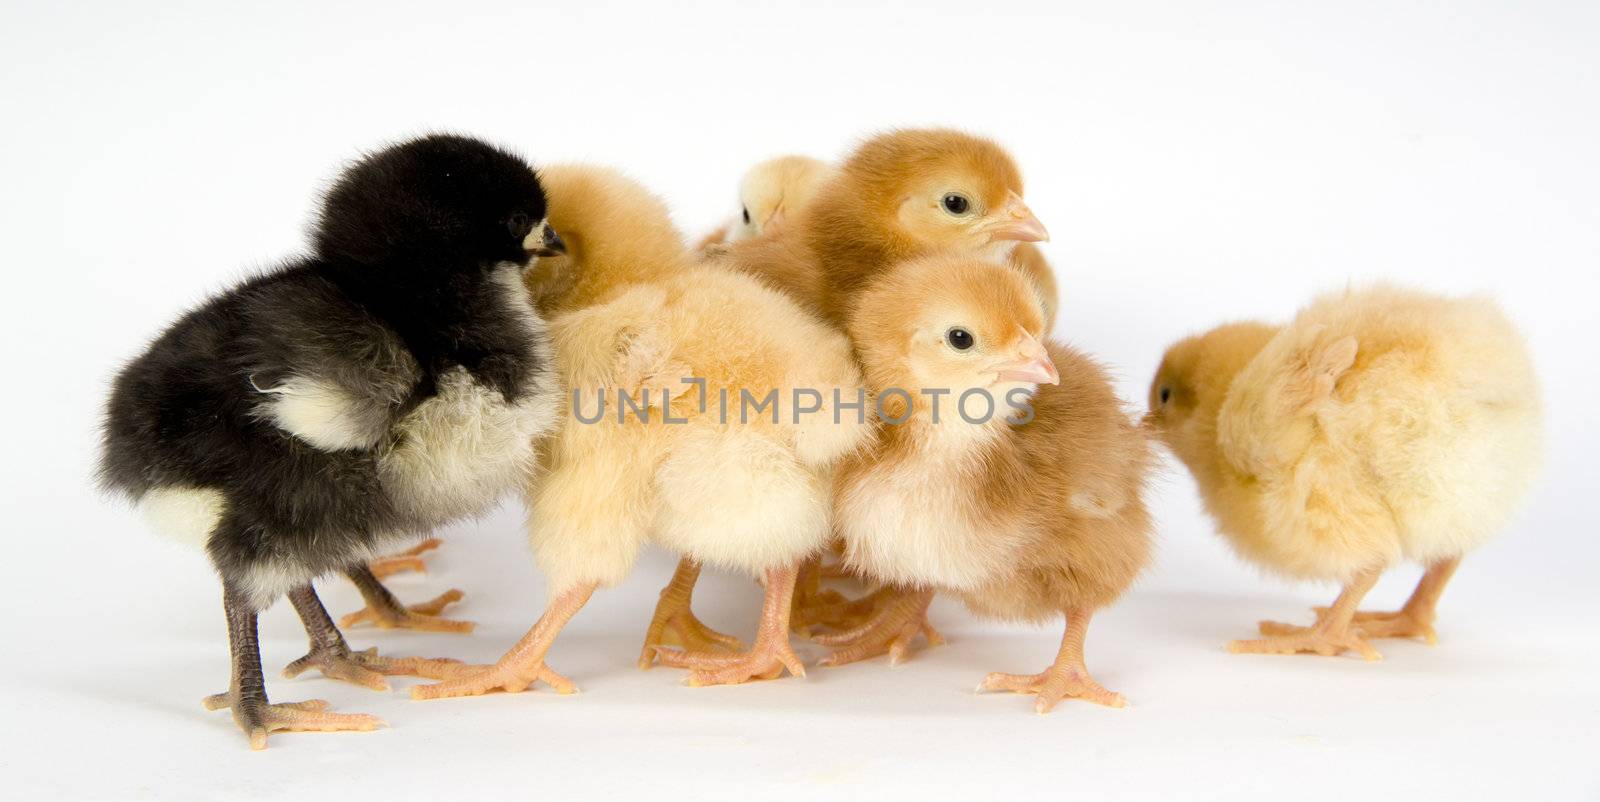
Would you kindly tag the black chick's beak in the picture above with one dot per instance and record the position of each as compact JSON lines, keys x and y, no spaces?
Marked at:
{"x":550,"y":244}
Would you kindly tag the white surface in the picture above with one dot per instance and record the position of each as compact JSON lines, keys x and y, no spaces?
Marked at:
{"x":1194,"y":165}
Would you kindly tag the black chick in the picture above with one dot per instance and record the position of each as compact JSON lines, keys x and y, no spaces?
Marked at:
{"x":348,"y":401}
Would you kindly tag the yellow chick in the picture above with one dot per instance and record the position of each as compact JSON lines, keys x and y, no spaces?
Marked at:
{"x":770,"y":193}
{"x":1380,"y":425}
{"x":1007,"y":471}
{"x":695,"y":471}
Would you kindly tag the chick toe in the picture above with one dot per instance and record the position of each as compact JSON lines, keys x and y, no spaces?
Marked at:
{"x":423,"y":617}
{"x":258,"y":718}
{"x":403,"y":561}
{"x":675,"y":623}
{"x":367,"y":669}
{"x":1319,"y":639}
{"x":892,"y":630}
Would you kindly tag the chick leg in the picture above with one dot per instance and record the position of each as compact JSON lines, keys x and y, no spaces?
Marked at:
{"x":1067,"y":677}
{"x":1415,"y":619}
{"x":1332,"y":634}
{"x":675,"y":623}
{"x":408,"y":560}
{"x":766,"y":660}
{"x":815,"y":606}
{"x":524,"y":664}
{"x":332,"y":656}
{"x":384,"y":610}
{"x":892,"y":629}
{"x":247,"y":690}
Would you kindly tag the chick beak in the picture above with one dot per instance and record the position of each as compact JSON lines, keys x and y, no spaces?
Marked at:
{"x":544,"y":241}
{"x":1032,"y":365}
{"x":1017,"y":223}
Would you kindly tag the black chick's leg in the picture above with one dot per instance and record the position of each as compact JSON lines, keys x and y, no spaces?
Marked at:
{"x":384,"y":610}
{"x":332,"y":656}
{"x":247,"y":691}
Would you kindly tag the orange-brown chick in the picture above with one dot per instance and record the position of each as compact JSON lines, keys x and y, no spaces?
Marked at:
{"x":1016,"y":478}
{"x":1381,"y":424}
{"x":900,"y":195}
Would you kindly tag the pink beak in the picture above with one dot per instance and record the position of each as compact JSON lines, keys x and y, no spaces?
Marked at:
{"x":1017,"y":223}
{"x":1033,"y":365}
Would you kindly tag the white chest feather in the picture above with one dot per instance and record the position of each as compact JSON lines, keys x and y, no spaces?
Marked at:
{"x":460,"y":451}
{"x":922,"y":522}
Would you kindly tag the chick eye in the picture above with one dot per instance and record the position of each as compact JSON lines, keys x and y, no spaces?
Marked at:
{"x":955,"y":203}
{"x":519,"y":225}
{"x":1166,"y":395}
{"x":746,"y":211}
{"x":959,"y":338}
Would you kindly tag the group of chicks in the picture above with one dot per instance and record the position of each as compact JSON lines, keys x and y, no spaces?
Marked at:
{"x":433,"y":351}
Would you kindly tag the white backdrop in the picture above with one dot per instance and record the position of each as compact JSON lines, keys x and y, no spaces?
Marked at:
{"x":1194,"y":162}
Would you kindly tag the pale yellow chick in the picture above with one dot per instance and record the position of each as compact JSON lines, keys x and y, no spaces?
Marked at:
{"x":1380,"y":425}
{"x":631,"y":310}
{"x":770,"y":193}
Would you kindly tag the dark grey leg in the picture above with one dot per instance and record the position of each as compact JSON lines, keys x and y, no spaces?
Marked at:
{"x":247,"y":690}
{"x":384,"y":610}
{"x":378,"y":598}
{"x":332,"y":656}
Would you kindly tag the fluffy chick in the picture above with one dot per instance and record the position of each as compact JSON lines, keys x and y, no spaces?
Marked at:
{"x":633,"y":311}
{"x":1380,"y":425}
{"x":783,"y":188}
{"x":1016,"y":477}
{"x":900,"y":195}
{"x":770,"y":192}
{"x":390,"y":382}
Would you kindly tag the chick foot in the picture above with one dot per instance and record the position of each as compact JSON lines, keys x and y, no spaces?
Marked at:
{"x":330,"y":654}
{"x":1415,"y":619}
{"x":1053,"y":685}
{"x":524,"y":664}
{"x":674,"y":622}
{"x":367,"y":669}
{"x":814,"y":606}
{"x":403,"y":561}
{"x":258,"y":718}
{"x":1332,"y":634}
{"x":892,"y":629}
{"x":386,"y":612}
{"x":770,"y":656}
{"x":1067,"y":678}
{"x":422,"y":617}
{"x":247,"y":692}
{"x":1320,"y":638}
{"x":1398,"y":624}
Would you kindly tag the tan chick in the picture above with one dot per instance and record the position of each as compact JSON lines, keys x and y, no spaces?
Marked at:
{"x":1381,"y":425}
{"x":631,"y":310}
{"x":899,"y":195}
{"x":1016,"y":478}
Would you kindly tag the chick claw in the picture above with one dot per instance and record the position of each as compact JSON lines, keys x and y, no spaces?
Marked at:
{"x":400,"y":562}
{"x":766,"y":661}
{"x":258,"y":719}
{"x":422,"y":617}
{"x":1318,"y":639}
{"x":367,"y":669}
{"x":498,"y":677}
{"x":1053,"y":685}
